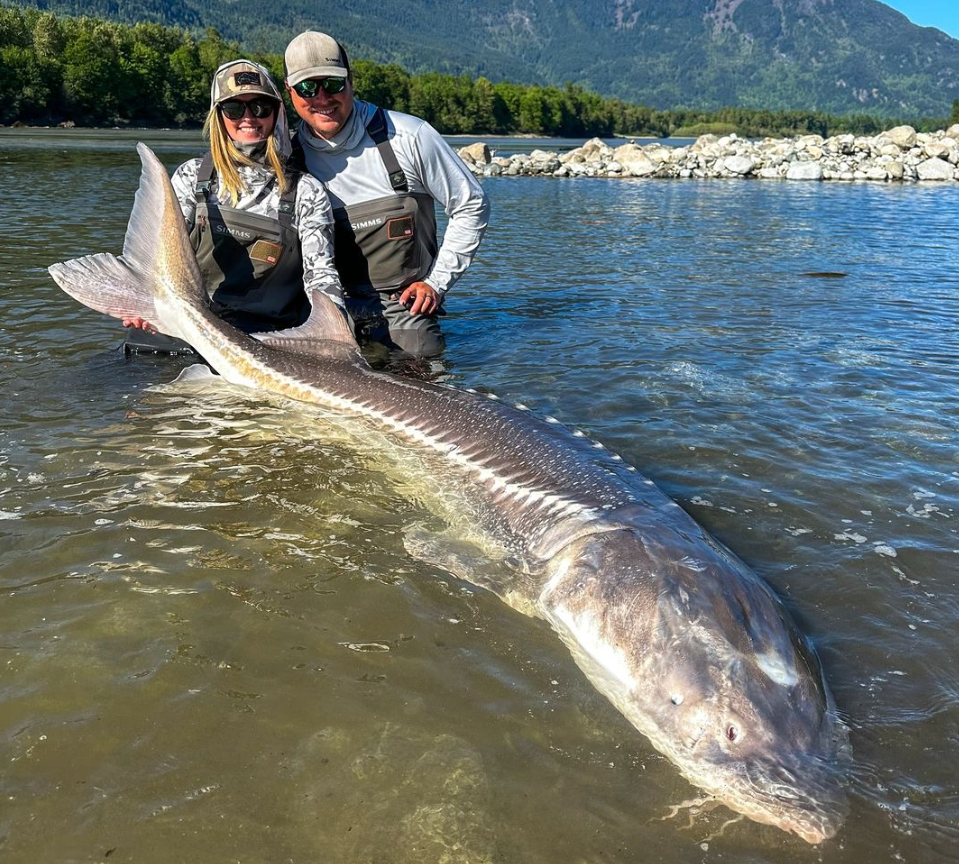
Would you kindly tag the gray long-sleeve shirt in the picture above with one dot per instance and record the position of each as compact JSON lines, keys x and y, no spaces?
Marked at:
{"x":312,"y":218}
{"x":353,"y":172}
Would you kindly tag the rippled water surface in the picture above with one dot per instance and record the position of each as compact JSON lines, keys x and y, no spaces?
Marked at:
{"x":216,"y":647}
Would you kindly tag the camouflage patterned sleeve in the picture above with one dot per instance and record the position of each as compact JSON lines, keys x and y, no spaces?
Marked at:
{"x":184,"y":183}
{"x":314,"y":224}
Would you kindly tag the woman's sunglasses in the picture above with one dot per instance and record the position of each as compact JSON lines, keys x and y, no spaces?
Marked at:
{"x":234,"y":109}
{"x":311,"y":86}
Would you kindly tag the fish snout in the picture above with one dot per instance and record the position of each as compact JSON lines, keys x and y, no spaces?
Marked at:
{"x":805,"y":796}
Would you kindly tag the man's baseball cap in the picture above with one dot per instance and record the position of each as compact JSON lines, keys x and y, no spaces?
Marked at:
{"x":315,"y":55}
{"x":239,"y":77}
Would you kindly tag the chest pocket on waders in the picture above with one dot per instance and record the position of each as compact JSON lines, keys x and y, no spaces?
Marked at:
{"x":389,"y":242}
{"x":376,"y":243}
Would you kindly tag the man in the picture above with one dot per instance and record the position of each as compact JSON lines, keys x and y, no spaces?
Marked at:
{"x":383,"y":171}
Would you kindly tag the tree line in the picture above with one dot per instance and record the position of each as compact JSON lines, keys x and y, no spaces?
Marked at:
{"x":98,"y":73}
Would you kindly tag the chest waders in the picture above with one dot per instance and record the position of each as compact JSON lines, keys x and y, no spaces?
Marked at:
{"x":380,"y":247}
{"x":251,"y":266}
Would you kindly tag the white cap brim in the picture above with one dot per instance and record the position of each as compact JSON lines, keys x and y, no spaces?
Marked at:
{"x":318,"y":72}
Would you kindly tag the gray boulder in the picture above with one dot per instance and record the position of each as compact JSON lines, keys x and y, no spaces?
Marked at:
{"x":935,"y":169}
{"x":741,"y":165}
{"x":478,"y":153}
{"x":903,"y":136}
{"x":635,"y":163}
{"x":804,"y":171}
{"x":894,"y":170}
{"x":938,"y":148}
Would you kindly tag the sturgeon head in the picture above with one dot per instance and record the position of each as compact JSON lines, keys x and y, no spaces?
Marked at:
{"x":700,"y":657}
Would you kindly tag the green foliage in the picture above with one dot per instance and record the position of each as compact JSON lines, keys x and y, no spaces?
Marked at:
{"x":840,"y":56}
{"x":382,"y":85}
{"x":100,"y":73}
{"x":954,"y":117}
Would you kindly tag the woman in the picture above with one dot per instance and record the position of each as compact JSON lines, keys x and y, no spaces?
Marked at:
{"x":263,"y":233}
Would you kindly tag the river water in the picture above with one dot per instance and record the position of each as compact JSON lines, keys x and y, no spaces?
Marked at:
{"x":215,"y":646}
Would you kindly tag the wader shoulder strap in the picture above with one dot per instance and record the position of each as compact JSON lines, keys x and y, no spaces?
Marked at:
{"x":378,"y":132}
{"x":295,"y":166}
{"x":204,"y":178}
{"x":287,"y":202}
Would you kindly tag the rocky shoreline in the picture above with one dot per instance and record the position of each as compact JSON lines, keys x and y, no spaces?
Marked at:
{"x":899,"y":154}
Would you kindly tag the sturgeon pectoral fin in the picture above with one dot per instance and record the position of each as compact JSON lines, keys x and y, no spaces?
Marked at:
{"x":105,"y":283}
{"x":487,"y":567}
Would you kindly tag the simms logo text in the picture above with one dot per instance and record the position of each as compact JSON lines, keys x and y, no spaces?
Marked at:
{"x":367,"y":223}
{"x":234,"y":232}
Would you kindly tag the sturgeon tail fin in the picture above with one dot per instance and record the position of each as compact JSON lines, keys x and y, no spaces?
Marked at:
{"x":156,"y":250}
{"x":105,"y":283}
{"x":156,"y":237}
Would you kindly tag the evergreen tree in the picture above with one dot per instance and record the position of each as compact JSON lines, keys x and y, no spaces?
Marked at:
{"x":48,"y":38}
{"x":533,"y":112}
{"x":482,"y":107}
{"x":90,"y":71}
{"x":62,"y":68}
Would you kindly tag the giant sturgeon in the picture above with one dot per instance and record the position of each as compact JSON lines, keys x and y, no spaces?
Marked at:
{"x":689,"y":644}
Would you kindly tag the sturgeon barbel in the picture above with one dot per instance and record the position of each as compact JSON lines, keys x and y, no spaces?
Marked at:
{"x":689,"y":644}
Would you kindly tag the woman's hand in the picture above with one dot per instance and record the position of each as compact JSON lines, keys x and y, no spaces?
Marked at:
{"x":139,"y":324}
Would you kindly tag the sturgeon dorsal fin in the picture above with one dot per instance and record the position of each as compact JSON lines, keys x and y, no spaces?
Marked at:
{"x":325,"y":332}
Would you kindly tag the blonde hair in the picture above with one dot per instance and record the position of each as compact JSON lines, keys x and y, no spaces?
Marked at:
{"x":226,"y":157}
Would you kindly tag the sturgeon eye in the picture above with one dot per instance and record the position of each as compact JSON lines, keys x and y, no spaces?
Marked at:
{"x":677,"y":699}
{"x":732,"y":733}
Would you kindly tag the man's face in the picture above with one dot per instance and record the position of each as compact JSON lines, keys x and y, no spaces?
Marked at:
{"x":325,"y":113}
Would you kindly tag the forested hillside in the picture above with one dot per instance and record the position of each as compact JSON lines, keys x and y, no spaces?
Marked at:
{"x":93,"y":72}
{"x":822,"y":55}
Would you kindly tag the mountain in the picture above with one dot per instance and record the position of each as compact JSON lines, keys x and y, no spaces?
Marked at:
{"x":828,"y":55}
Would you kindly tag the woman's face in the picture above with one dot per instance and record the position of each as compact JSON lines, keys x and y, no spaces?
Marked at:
{"x":248,"y":128}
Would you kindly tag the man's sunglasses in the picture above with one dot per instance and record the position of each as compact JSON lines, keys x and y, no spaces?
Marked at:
{"x":234,"y":109}
{"x":311,"y":86}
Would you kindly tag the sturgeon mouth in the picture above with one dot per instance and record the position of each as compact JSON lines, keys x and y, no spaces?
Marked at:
{"x":805,"y":797}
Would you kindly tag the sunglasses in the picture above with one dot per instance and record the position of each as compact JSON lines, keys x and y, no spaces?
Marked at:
{"x":311,"y":86}
{"x":234,"y":109}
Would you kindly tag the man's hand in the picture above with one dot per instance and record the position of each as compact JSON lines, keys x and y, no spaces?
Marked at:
{"x":420,"y":298}
{"x":139,"y":324}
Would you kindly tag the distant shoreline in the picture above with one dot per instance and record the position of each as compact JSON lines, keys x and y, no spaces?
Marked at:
{"x":898,"y":154}
{"x":29,"y":127}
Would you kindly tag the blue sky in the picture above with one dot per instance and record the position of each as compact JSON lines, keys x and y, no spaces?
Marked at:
{"x":943,"y":14}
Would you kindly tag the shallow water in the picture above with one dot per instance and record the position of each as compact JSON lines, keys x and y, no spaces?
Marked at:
{"x":216,"y":647}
